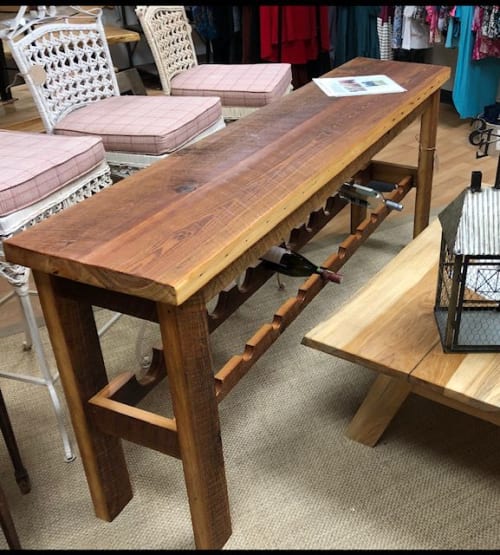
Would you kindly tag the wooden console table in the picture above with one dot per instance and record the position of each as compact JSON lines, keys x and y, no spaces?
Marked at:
{"x":164,"y":242}
{"x":390,"y":328}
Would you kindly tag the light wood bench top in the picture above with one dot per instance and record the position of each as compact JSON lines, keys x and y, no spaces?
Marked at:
{"x":389,"y":326}
{"x":117,"y":35}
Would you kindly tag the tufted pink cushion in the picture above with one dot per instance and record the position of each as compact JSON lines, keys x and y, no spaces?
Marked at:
{"x":248,"y":85}
{"x":152,"y":125}
{"x":35,"y":165}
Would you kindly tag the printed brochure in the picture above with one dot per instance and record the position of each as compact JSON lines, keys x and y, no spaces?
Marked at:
{"x":357,"y":86}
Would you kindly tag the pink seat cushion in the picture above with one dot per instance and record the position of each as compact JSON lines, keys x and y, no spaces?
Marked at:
{"x":153,"y":125}
{"x":243,"y":85}
{"x":35,"y":165}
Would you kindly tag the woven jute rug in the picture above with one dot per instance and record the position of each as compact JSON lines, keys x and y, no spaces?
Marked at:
{"x":294,"y":480}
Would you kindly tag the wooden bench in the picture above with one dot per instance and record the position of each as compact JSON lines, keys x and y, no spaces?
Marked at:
{"x":390,"y":328}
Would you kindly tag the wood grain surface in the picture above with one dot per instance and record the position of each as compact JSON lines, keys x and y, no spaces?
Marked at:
{"x":117,"y":35}
{"x":390,"y":328}
{"x":164,"y":232}
{"x":375,"y":328}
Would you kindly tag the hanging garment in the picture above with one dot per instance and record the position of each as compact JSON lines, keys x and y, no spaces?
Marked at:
{"x":385,"y":30}
{"x":203,"y":20}
{"x":415,"y":32}
{"x":357,"y":33}
{"x":250,"y":34}
{"x":453,"y":31}
{"x":293,"y":34}
{"x":476,"y":81}
{"x":486,"y":43}
{"x":397,"y":27}
{"x":332,"y":26}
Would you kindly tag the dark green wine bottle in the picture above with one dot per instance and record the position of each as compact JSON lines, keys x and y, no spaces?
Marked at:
{"x":291,"y":263}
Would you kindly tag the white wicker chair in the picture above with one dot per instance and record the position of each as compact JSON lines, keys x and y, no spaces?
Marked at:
{"x":242,"y":87}
{"x":65,"y":61}
{"x":41,"y":175}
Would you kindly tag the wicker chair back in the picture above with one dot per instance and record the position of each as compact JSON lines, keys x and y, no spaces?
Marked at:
{"x":65,"y":61}
{"x":168,"y":33}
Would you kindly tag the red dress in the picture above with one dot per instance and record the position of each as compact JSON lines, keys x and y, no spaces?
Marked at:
{"x":300,"y":42}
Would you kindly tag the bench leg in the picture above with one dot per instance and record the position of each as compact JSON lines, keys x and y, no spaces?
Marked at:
{"x":379,"y":407}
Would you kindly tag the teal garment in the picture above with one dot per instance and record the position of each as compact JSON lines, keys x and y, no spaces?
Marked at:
{"x":357,"y":33}
{"x":476,"y":81}
{"x":452,"y":34}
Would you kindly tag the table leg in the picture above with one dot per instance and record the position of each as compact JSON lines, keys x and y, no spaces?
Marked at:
{"x":186,"y":341}
{"x":78,"y":354}
{"x":379,"y":407}
{"x":425,"y":170}
{"x":7,"y":523}
{"x":20,"y":472}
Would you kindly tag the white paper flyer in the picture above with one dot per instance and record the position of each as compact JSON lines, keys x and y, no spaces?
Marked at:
{"x":357,"y":86}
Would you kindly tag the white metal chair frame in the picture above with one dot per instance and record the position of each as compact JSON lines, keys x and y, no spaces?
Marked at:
{"x":18,"y":277}
{"x":169,"y":35}
{"x":64,"y":58}
{"x":66,"y":63}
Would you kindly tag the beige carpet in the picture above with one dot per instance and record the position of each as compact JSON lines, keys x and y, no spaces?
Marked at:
{"x":295,"y":481}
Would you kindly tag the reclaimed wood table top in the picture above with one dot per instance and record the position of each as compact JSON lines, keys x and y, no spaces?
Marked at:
{"x":389,"y":327}
{"x":166,"y":231}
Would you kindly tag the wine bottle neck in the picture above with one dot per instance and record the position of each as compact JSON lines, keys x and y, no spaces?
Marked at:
{"x":329,"y":275}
